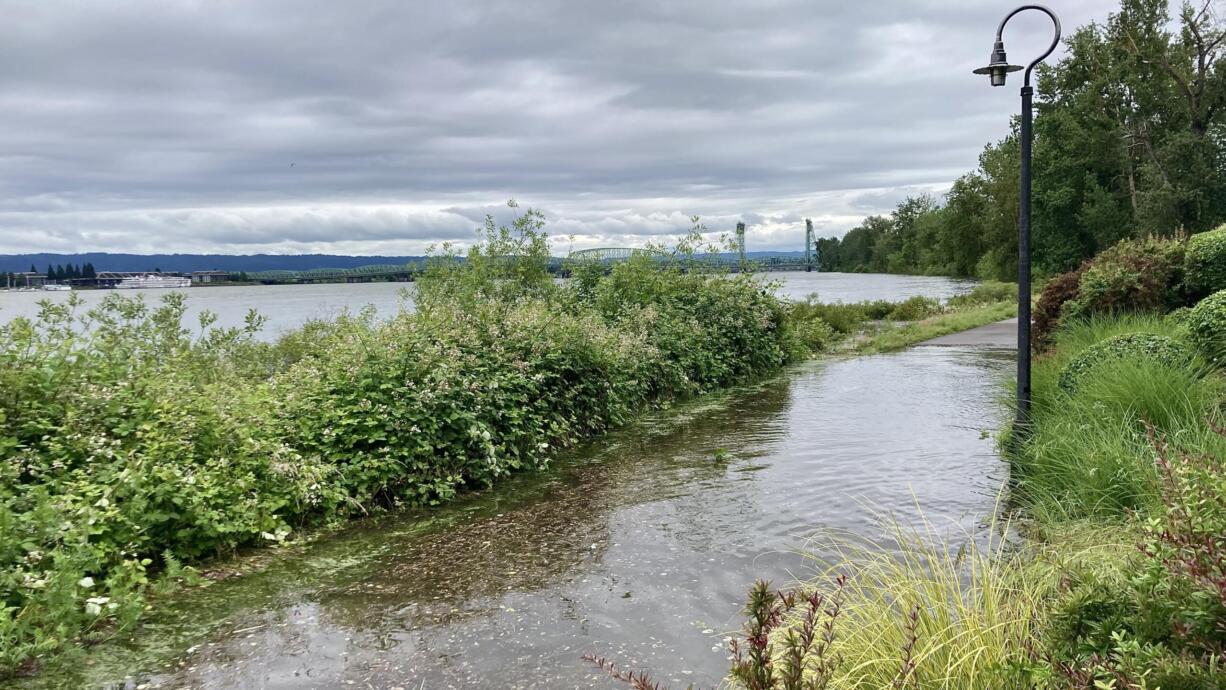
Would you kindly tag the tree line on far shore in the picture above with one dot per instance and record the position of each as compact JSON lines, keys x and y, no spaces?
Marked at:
{"x":53,"y":274}
{"x":71,"y":272}
{"x":1128,"y":143}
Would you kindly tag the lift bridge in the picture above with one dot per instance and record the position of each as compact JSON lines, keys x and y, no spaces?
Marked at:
{"x":735,"y":263}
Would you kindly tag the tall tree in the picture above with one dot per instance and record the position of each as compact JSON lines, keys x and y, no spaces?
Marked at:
{"x":1130,"y":140}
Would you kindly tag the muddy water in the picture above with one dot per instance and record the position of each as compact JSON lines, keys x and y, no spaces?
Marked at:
{"x":639,"y":546}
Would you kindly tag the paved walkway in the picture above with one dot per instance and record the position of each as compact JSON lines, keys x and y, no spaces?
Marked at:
{"x":1002,"y":334}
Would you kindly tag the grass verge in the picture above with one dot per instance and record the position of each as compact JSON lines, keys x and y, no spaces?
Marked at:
{"x":896,"y":336}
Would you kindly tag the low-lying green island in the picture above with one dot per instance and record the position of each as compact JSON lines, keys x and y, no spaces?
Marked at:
{"x":133,"y":448}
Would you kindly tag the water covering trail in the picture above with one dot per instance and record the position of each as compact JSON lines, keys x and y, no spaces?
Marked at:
{"x":639,"y":546}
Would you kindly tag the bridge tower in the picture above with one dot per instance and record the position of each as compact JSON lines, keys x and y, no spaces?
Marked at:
{"x":740,"y":242}
{"x":810,"y":248}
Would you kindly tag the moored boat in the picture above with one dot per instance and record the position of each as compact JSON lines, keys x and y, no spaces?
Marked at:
{"x":153,"y":280}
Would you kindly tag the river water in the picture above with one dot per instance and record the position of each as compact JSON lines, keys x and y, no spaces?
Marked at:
{"x":639,"y":546}
{"x":289,"y":306}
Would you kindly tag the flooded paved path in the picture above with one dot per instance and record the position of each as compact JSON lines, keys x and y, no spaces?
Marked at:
{"x":639,"y":546}
{"x":999,"y":335}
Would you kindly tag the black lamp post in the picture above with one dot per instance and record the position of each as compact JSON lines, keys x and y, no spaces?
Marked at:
{"x":998,"y":70}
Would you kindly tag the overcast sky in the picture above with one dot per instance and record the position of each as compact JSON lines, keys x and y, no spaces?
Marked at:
{"x":380,"y":127}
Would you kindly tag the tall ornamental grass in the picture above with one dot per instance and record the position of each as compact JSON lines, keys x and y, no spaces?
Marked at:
{"x":922,"y":610}
{"x":1089,"y":454}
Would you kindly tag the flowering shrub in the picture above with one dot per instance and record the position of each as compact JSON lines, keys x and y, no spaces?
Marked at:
{"x":125,"y":437}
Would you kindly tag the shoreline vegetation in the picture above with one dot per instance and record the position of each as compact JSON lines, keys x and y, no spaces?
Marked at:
{"x":1105,"y":567}
{"x":135,"y":449}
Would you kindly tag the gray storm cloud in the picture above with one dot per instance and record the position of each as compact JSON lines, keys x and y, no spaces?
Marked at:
{"x":384,"y":127}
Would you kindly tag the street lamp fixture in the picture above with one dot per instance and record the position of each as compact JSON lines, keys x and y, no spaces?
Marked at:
{"x":998,"y":70}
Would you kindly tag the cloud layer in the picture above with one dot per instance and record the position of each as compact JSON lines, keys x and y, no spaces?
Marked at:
{"x":380,"y":127}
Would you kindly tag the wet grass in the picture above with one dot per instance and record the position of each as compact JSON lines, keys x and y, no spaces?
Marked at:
{"x":894,"y":336}
{"x":922,"y":609}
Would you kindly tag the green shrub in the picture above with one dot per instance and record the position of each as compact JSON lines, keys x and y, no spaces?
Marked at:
{"x":1123,"y":348}
{"x":985,"y":293}
{"x":843,"y":318}
{"x":126,"y":436}
{"x":1139,"y":446}
{"x":914,"y":309}
{"x":1179,"y":317}
{"x":1132,"y":276}
{"x":1205,"y":263}
{"x":816,"y":334}
{"x":1206,"y":324}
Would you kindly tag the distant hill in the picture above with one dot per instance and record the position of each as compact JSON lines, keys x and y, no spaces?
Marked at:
{"x":184,"y":263}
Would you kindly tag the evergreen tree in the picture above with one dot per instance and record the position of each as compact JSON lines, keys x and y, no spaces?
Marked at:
{"x":88,"y":272}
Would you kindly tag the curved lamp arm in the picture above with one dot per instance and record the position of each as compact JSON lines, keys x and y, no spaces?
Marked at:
{"x":1054,"y":42}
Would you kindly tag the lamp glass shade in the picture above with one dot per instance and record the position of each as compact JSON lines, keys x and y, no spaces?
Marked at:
{"x":998,"y":71}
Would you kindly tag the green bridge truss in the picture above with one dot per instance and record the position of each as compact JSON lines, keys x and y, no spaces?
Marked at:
{"x":772,"y":263}
{"x":335,"y":274}
{"x":612,"y":254}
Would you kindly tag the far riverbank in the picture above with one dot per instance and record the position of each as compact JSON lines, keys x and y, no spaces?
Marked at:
{"x":290,"y":306}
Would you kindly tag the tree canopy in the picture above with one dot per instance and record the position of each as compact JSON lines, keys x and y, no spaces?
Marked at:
{"x":1130,"y":141}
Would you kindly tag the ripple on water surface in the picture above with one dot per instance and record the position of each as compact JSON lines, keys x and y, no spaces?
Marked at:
{"x":639,"y":546}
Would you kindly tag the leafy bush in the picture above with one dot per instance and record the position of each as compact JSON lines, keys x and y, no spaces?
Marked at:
{"x":985,"y":293}
{"x":1132,"y":276}
{"x":914,"y":309}
{"x":125,"y":436}
{"x":1206,"y":325}
{"x":1205,"y":263}
{"x":1047,"y":312}
{"x":1179,"y":317}
{"x":1124,"y":348}
{"x":844,"y":318}
{"x":816,"y":334}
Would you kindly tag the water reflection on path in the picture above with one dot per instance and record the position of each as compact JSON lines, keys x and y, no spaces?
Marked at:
{"x":639,"y":547}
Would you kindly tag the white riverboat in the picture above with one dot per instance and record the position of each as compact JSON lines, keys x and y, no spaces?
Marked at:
{"x":57,"y":288}
{"x":153,"y":280}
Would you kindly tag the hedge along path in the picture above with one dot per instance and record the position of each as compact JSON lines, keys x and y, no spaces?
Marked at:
{"x":1205,"y":262}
